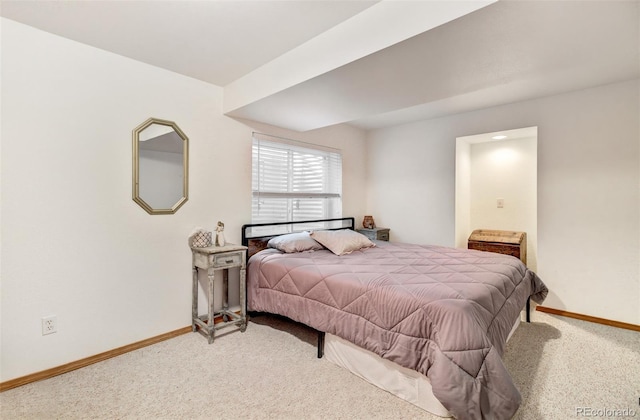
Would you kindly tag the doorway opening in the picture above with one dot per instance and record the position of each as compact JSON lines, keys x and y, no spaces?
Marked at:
{"x":496,"y":185}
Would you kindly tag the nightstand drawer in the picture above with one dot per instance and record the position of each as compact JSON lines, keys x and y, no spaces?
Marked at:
{"x":227,"y":259}
{"x":383,"y":236}
{"x":380,"y":234}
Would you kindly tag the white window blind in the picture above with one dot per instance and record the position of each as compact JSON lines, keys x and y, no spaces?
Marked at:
{"x":293,"y":182}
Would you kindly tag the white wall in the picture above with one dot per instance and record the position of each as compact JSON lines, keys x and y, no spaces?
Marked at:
{"x":588,"y":195}
{"x":411,"y":183}
{"x":462,"y":223}
{"x":74,"y":243}
{"x":505,"y":169}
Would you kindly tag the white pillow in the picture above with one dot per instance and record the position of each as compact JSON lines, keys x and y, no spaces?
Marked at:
{"x":343,"y":241}
{"x":294,"y":242}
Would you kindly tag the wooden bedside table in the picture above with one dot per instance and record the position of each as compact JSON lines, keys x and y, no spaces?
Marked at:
{"x":221,"y":258}
{"x":380,"y":234}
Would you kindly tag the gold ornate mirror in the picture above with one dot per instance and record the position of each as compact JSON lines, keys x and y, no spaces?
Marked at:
{"x":160,"y":166}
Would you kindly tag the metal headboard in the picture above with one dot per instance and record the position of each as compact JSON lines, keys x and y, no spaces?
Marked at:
{"x":262,"y":232}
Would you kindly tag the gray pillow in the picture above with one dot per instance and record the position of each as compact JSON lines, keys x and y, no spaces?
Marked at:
{"x":294,"y":242}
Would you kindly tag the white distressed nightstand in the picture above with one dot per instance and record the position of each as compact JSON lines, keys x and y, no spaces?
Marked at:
{"x":380,"y":234}
{"x":212,"y":259}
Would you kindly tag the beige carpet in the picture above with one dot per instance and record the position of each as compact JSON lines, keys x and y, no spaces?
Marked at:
{"x":271,"y":372}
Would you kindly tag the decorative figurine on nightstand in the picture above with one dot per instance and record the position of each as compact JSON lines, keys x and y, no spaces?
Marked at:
{"x":368,"y":222}
{"x":220,"y":234}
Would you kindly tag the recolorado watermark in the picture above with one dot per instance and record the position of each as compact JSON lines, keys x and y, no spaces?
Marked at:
{"x":606,"y":412}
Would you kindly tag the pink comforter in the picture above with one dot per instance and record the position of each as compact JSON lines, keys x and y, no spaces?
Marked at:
{"x":443,"y":312}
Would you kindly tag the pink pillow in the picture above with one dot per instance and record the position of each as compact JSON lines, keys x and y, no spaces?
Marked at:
{"x":343,"y":241}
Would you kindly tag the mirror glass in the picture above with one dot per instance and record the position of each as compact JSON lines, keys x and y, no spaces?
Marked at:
{"x":160,"y":166}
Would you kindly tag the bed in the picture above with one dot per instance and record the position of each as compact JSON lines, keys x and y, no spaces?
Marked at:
{"x":424,"y":320}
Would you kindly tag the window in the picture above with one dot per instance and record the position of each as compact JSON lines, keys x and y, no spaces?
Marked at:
{"x":293,"y":182}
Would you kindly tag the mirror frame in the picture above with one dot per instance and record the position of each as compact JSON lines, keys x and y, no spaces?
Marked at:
{"x":136,"y":166}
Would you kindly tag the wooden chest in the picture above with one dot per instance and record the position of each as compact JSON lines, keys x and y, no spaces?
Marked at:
{"x":500,"y":241}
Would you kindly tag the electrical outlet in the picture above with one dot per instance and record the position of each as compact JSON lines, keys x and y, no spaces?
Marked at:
{"x":49,"y":324}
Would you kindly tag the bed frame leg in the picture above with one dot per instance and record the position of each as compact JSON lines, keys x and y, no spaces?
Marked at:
{"x":528,"y":309}
{"x":320,"y":344}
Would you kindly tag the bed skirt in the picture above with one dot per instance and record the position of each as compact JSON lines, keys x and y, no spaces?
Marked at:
{"x":404,"y":383}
